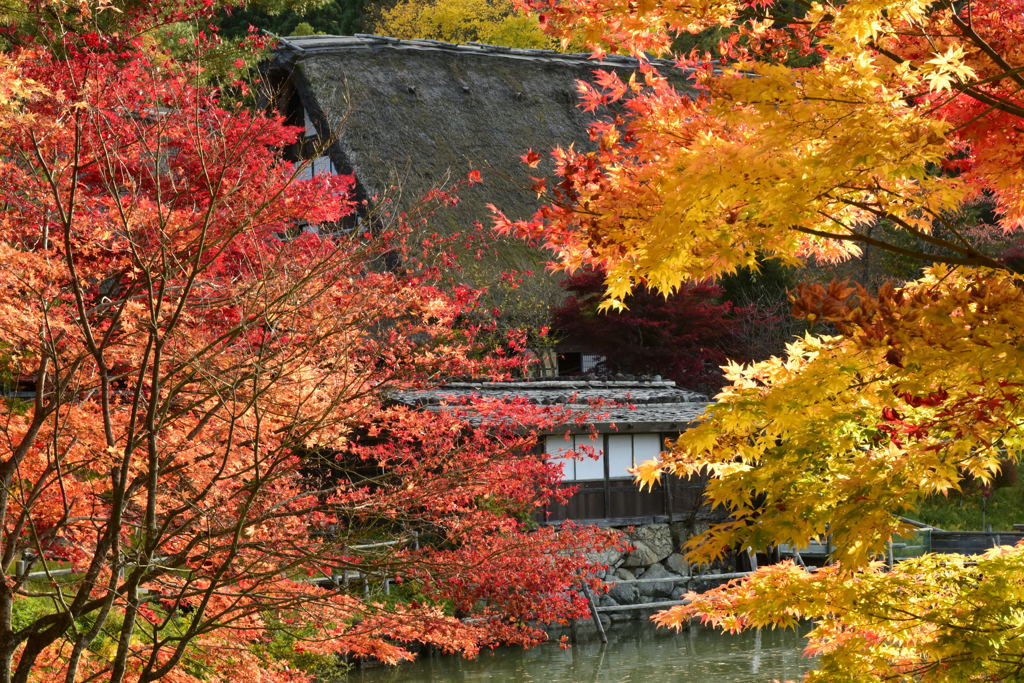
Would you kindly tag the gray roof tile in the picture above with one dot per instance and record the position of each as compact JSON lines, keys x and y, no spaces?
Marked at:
{"x":630,"y":405}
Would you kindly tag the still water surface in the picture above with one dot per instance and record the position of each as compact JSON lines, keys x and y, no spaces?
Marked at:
{"x":636,"y":652}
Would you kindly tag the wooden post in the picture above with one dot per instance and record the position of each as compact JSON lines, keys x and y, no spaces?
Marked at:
{"x":755,"y":662}
{"x":667,"y":483}
{"x":607,"y":477}
{"x":594,"y":613}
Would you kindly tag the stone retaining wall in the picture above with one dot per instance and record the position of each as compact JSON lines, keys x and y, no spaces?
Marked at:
{"x":655,"y":554}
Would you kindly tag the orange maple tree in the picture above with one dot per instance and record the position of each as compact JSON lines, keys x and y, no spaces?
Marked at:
{"x":804,"y":131}
{"x":200,"y":424}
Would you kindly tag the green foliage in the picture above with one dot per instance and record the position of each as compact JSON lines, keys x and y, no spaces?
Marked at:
{"x":336,"y":17}
{"x":285,"y":645}
{"x":510,"y":508}
{"x":9,"y":380}
{"x":26,"y":611}
{"x":705,"y":40}
{"x":7,"y":367}
{"x":974,"y":509}
{"x":769,"y":283}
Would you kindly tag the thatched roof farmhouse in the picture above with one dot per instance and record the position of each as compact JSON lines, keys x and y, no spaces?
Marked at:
{"x":413,"y":113}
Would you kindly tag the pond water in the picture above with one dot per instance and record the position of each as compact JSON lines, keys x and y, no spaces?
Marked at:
{"x":636,"y":652}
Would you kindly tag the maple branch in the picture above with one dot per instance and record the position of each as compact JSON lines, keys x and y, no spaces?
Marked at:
{"x":995,"y":101}
{"x":967,"y":249}
{"x":864,"y":239}
{"x":998,"y":102}
{"x":983,"y":45}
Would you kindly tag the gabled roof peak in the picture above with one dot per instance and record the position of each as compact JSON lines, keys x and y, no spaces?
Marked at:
{"x":368,"y":41}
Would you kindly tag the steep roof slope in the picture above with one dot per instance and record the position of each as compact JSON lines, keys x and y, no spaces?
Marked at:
{"x":409,"y":113}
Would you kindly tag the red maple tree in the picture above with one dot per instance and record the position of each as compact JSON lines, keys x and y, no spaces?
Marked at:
{"x":684,"y":336}
{"x":200,"y":416}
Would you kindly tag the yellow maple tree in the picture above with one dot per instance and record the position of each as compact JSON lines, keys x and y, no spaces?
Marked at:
{"x":462,"y":21}
{"x":810,"y":124}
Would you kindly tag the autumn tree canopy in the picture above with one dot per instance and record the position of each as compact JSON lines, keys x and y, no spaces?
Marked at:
{"x":200,"y":417}
{"x":462,"y":21}
{"x":808,"y":126}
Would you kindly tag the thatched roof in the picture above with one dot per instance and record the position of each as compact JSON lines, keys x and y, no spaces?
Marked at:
{"x":412,"y":112}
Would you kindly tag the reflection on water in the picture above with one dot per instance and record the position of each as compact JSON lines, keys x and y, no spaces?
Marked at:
{"x":636,"y":652}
